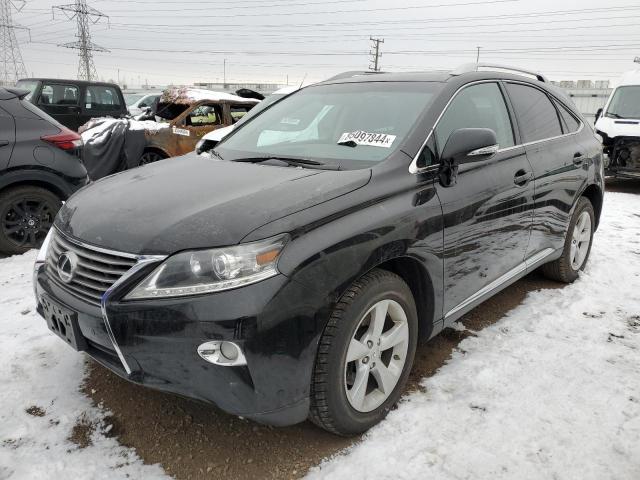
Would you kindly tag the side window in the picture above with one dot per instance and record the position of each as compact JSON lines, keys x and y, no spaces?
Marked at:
{"x":571,"y":123}
{"x":477,"y":106}
{"x":239,"y":111}
{"x":537,"y":117}
{"x":204,"y":115}
{"x":60,"y":95}
{"x":101,"y":98}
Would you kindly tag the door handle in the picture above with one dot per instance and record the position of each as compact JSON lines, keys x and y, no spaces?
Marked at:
{"x":522,"y":177}
{"x":578,"y":159}
{"x":4,"y":143}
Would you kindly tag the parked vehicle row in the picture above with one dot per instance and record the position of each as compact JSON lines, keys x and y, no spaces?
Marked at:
{"x":292,"y":276}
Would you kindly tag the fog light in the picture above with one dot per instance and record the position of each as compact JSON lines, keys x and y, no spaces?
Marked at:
{"x":223,"y":353}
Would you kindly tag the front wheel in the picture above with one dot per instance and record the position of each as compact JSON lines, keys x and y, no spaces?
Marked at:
{"x":577,"y":245}
{"x":150,"y":156}
{"x":26,"y":214}
{"x":365,"y":354}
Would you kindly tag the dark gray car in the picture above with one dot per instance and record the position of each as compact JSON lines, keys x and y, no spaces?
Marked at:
{"x":40,"y":166}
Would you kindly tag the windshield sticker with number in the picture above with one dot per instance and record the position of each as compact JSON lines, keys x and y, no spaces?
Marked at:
{"x":360,"y":137}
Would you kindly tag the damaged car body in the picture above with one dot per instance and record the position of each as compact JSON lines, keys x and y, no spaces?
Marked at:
{"x":291,"y":276}
{"x":618,"y":123}
{"x":190,"y":115}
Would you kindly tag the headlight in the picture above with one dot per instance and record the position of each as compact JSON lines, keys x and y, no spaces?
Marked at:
{"x":205,"y":271}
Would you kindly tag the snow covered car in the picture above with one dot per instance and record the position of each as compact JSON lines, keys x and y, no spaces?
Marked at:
{"x":211,"y":139}
{"x":190,"y":115}
{"x":618,"y":123}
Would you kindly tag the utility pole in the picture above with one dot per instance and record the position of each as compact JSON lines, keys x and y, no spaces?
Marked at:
{"x":478,"y":55}
{"x":374,"y":64}
{"x":224,"y":73}
{"x":84,"y":14}
{"x":11,"y":63}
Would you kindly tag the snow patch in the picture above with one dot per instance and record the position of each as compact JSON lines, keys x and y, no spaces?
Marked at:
{"x":40,"y":400}
{"x":190,"y":95}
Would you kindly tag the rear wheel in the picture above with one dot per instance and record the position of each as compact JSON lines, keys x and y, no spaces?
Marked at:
{"x":365,"y":354}
{"x":26,"y":214}
{"x":151,"y":156}
{"x":577,"y":245}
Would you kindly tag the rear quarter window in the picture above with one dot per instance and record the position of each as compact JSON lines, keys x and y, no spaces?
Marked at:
{"x":537,"y":117}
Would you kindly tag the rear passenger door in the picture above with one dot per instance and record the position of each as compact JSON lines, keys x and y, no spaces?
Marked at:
{"x":488,"y":211}
{"x":62,"y":102}
{"x":101,"y":101}
{"x":551,"y":150}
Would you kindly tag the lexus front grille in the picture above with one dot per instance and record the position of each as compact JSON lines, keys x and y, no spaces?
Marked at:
{"x":94,"y":269}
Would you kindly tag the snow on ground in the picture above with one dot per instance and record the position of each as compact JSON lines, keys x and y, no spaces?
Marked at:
{"x":41,"y":374}
{"x":551,"y":391}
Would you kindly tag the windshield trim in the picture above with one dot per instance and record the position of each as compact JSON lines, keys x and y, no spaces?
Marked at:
{"x":610,"y":114}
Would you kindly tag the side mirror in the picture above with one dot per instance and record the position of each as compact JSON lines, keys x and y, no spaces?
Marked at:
{"x":467,"y":145}
{"x":142,"y":105}
{"x":598,"y":114}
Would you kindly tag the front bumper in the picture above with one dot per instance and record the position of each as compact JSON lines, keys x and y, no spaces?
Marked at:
{"x":277,"y":323}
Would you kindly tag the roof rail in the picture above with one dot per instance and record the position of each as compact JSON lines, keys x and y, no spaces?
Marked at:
{"x":475,"y":67}
{"x":353,"y":73}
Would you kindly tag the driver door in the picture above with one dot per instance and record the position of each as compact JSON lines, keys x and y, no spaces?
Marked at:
{"x":488,"y":211}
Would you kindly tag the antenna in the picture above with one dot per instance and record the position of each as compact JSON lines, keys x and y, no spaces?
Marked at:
{"x":84,"y":14}
{"x":11,"y":63}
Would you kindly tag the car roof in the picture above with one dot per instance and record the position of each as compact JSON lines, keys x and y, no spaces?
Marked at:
{"x":65,"y":80}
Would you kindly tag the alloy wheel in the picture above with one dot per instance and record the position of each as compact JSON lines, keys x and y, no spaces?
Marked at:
{"x":25,"y":222}
{"x":376,"y":355}
{"x":580,"y":241}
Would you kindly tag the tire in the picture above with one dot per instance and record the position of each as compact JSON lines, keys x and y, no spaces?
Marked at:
{"x":150,"y":156}
{"x":334,"y":384}
{"x":565,"y":269}
{"x":26,"y":214}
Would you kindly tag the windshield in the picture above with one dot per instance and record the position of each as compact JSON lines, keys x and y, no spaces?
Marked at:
{"x":131,"y":98}
{"x":625,"y":103}
{"x":30,"y":85}
{"x":340,"y":123}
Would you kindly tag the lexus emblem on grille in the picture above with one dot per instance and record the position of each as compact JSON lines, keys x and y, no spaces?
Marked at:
{"x":67,"y":264}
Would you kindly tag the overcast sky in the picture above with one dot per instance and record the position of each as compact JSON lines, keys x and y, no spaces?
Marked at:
{"x":186,"y":41}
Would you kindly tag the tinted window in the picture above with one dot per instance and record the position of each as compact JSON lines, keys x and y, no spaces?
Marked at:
{"x":102,"y":98}
{"x":571,"y":123}
{"x":537,"y":117}
{"x":55,"y":94}
{"x":477,"y":106}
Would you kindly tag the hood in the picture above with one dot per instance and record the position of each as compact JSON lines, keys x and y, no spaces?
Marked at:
{"x":219,"y":134}
{"x":618,"y":127}
{"x":195,"y":202}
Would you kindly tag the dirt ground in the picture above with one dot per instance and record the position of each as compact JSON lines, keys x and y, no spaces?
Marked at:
{"x":194,"y":441}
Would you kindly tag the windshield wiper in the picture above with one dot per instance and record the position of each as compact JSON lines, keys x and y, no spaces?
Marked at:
{"x":216,"y":154}
{"x":612,"y":114}
{"x":297,"y":162}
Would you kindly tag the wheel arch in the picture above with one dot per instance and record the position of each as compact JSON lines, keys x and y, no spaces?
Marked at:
{"x":156,"y":149}
{"x":595,"y":195}
{"x":420,"y":283}
{"x":21,"y":179}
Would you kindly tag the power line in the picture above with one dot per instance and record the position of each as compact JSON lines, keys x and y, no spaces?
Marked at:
{"x":83,"y":15}
{"x":10,"y":56}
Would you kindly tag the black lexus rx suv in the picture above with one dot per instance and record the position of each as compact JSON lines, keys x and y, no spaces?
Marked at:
{"x":40,"y":166}
{"x":290,"y":276}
